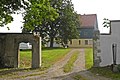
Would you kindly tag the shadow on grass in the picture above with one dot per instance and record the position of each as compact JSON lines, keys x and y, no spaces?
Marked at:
{"x":106,"y":72}
{"x":4,"y":71}
{"x":72,"y":76}
{"x":88,"y":75}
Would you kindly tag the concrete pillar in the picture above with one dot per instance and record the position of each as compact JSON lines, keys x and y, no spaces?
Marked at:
{"x":40,"y":51}
{"x":36,"y":54}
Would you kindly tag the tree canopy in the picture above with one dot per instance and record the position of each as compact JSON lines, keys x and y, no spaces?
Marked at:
{"x":8,"y":7}
{"x":62,"y":28}
{"x":68,"y":22}
{"x":38,"y":12}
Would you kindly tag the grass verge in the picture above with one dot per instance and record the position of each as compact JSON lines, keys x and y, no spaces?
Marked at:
{"x":106,"y":72}
{"x":68,"y":67}
{"x":102,"y":71}
{"x":88,"y":58}
{"x":79,"y":77}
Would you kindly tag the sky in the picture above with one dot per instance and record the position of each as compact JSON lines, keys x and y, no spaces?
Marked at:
{"x":15,"y":26}
{"x":103,"y":8}
{"x":109,"y":9}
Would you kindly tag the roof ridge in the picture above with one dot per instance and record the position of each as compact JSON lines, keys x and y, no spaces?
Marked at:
{"x":87,"y":14}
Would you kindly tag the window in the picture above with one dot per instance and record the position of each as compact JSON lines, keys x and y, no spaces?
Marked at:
{"x":86,"y":42}
{"x":90,"y":42}
{"x":79,"y":42}
{"x":71,"y":42}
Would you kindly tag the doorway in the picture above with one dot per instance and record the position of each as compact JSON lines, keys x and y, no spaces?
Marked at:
{"x":25,"y":55}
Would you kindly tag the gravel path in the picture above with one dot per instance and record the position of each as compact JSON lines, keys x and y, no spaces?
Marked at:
{"x":79,"y":64}
{"x":56,"y":71}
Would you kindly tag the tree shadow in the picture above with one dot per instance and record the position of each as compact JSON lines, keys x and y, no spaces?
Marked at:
{"x":4,"y":71}
{"x":72,"y":76}
{"x":87,"y":74}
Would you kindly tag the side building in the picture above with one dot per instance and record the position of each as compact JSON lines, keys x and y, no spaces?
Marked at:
{"x":109,"y":43}
{"x":88,"y":24}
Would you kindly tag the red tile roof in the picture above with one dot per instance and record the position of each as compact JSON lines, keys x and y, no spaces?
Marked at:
{"x":88,"y":20}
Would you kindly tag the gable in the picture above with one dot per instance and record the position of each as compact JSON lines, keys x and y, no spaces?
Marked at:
{"x":88,"y":21}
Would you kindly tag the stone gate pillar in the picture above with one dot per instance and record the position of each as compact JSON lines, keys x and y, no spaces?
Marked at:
{"x":36,"y":54}
{"x":96,"y":49}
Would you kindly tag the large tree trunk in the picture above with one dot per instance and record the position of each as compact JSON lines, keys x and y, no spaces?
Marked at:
{"x":51,"y":42}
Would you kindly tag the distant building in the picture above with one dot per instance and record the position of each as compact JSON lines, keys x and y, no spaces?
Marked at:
{"x":88,"y":23}
{"x":25,"y":46}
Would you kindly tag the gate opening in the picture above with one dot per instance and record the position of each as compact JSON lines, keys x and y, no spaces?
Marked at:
{"x":25,"y":55}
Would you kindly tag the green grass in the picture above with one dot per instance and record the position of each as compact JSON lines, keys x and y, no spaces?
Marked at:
{"x":68,"y":67}
{"x":49,"y":57}
{"x":79,"y":77}
{"x":88,"y":58}
{"x":106,"y":72}
{"x":25,"y":59}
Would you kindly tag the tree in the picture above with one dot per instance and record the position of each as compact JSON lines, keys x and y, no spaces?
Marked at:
{"x":8,"y":7}
{"x":62,"y":28}
{"x":106,"y":23}
{"x":37,"y":13}
{"x":70,"y":22}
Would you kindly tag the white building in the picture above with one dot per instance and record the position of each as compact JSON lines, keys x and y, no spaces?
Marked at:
{"x":106,"y":41}
{"x":24,"y":46}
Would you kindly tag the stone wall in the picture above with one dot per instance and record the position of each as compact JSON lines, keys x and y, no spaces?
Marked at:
{"x":9,"y":46}
{"x":96,"y":49}
{"x":2,"y":50}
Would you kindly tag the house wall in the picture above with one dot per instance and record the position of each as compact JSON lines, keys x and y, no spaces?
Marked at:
{"x":96,"y":25}
{"x":86,"y":33}
{"x":106,"y":42}
{"x":106,"y":50}
{"x":80,"y":43}
{"x":54,"y":44}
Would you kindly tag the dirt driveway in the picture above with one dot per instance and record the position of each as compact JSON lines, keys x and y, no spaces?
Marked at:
{"x":56,"y":71}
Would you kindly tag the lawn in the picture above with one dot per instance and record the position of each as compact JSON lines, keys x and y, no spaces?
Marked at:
{"x":25,"y":58}
{"x":88,"y":58}
{"x":49,"y":57}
